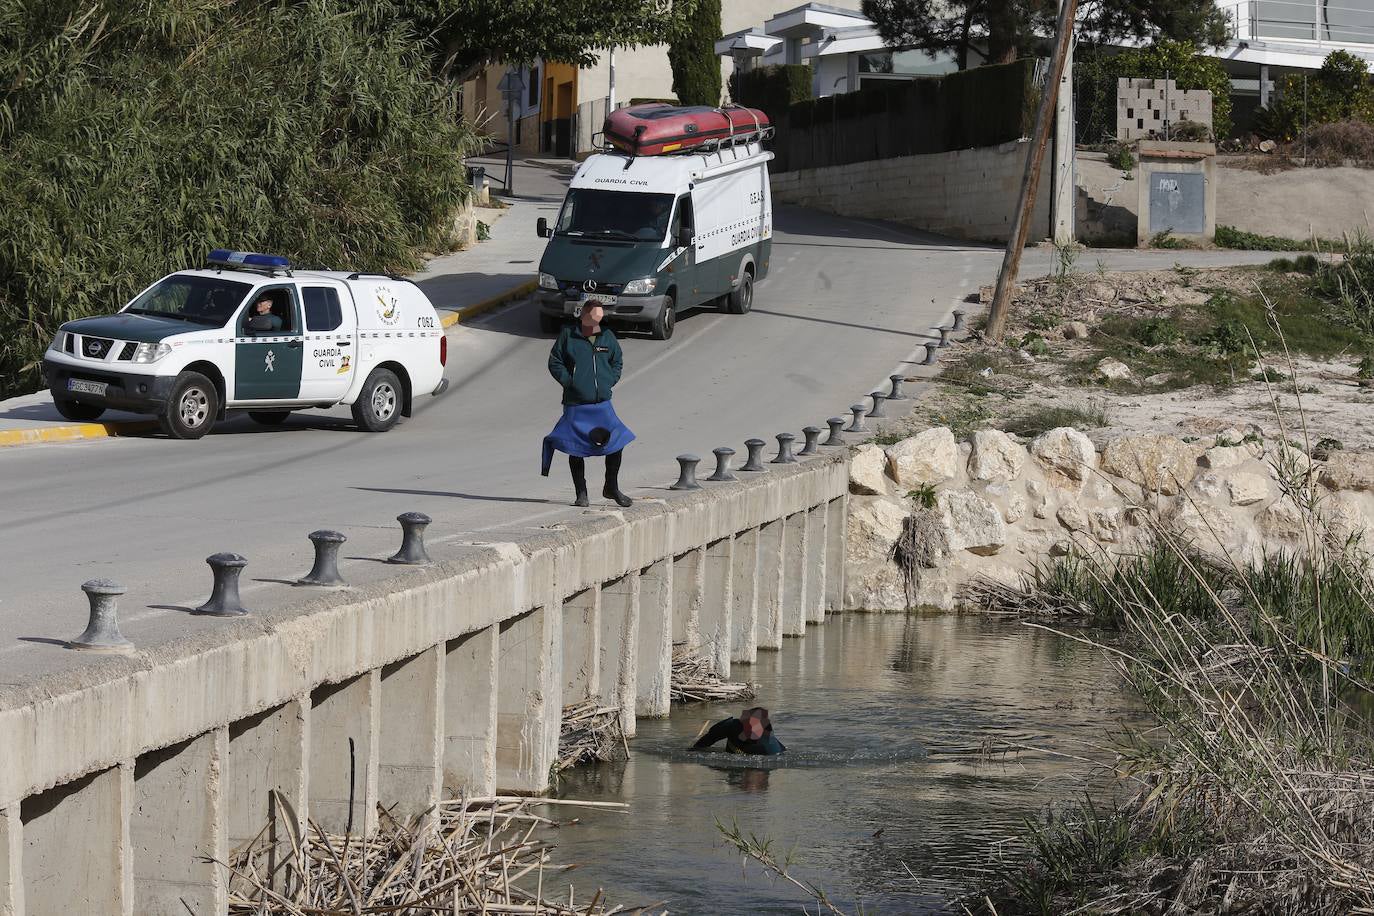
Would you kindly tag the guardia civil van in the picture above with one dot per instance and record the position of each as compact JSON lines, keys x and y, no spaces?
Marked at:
{"x":193,"y":347}
{"x":650,"y":236}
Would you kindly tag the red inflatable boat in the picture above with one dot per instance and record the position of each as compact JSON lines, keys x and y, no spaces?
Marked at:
{"x":655,"y":128}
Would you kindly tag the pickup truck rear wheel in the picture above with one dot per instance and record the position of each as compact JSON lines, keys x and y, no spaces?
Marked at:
{"x":269,"y":417}
{"x":662,"y":328}
{"x":75,"y":410}
{"x":192,"y":407}
{"x":379,"y":403}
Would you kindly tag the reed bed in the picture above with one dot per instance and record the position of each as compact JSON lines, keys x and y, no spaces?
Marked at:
{"x":466,"y":856}
{"x":591,"y":732}
{"x":694,"y":680}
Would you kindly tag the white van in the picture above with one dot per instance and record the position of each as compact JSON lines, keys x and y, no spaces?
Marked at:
{"x":196,"y":345}
{"x":650,"y":236}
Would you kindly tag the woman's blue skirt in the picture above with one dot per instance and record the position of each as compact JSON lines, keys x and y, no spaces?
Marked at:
{"x":586,"y":431}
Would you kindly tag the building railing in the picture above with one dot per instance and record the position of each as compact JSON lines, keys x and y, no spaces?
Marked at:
{"x":1332,"y":24}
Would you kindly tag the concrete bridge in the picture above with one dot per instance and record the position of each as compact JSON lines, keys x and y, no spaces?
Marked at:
{"x":122,"y":778}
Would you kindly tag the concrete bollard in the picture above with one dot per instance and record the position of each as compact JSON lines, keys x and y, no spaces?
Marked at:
{"x":944,"y":337}
{"x":723,"y":456}
{"x":877,"y":409}
{"x":785,"y":455}
{"x":754,"y":461}
{"x":102,"y":630}
{"x":896,"y":393}
{"x":857,"y":426}
{"x":412,"y":552}
{"x":224,"y":596}
{"x":813,"y":441}
{"x":687,"y":473}
{"x":932,"y":353}
{"x":836,"y":424}
{"x":958,"y":321}
{"x":325,"y":572}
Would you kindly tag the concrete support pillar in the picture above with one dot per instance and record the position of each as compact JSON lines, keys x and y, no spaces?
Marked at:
{"x":619,"y":647}
{"x":836,"y":523}
{"x":794,"y":584}
{"x":267,"y":752}
{"x":689,"y":572}
{"x":344,"y":729}
{"x":77,"y":856}
{"x":655,"y":663}
{"x":817,"y":521}
{"x":717,"y":603}
{"x":582,"y":646}
{"x":178,"y":826}
{"x":410,"y":758}
{"x":1264,"y":85}
{"x":469,"y":716}
{"x":528,"y":700}
{"x":11,"y":862}
{"x":768,"y":627}
{"x":744,"y":586}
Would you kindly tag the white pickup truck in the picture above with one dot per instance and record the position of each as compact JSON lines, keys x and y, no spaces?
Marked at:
{"x":197,"y":344}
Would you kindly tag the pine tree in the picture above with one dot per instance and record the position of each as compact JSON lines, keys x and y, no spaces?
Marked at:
{"x":692,"y":55}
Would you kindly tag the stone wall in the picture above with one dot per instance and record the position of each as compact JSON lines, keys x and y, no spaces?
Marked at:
{"x":969,"y":194}
{"x":997,"y":506}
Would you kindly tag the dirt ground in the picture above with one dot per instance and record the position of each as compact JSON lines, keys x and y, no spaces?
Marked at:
{"x":1296,"y":203}
{"x":1046,"y":375}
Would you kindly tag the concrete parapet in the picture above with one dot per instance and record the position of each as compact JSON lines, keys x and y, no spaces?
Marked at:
{"x":343,"y":753}
{"x":410,"y":758}
{"x":794,"y":580}
{"x":744,"y":603}
{"x":717,"y":604}
{"x":655,"y":655}
{"x":771,"y":584}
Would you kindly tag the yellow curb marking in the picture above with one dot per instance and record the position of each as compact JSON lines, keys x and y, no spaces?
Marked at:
{"x":486,"y":305}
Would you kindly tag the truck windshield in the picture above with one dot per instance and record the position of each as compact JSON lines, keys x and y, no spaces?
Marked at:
{"x":615,"y":215}
{"x":204,"y":300}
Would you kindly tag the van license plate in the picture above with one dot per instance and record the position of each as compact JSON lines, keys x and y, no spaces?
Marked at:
{"x":604,"y":299}
{"x":85,"y":387}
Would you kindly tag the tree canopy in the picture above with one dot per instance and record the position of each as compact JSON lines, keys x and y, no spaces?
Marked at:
{"x":1008,"y":28}
{"x":692,"y":55}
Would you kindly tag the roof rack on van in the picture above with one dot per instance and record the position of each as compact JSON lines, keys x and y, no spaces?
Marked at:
{"x":707,"y":146}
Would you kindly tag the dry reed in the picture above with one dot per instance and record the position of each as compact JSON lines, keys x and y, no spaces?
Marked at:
{"x":694,"y":680}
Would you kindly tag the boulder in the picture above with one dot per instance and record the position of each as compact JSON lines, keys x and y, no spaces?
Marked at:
{"x":1067,"y":455}
{"x":1221,"y":457}
{"x":1114,"y":370}
{"x":1346,"y":514}
{"x":995,"y":456}
{"x":875,"y":523}
{"x":1247,"y":488}
{"x":930,"y":456}
{"x":1210,"y":485}
{"x":1015,"y":509}
{"x":1210,"y":528}
{"x":1163,"y":464}
{"x":1286,"y":460}
{"x":868,"y":471}
{"x":1107,"y":525}
{"x":973,"y":523}
{"x":1281,"y":520}
{"x":1072,"y":517}
{"x":1075,"y":330}
{"x":1061,"y":548}
{"x":871,"y":586}
{"x":1348,"y":471}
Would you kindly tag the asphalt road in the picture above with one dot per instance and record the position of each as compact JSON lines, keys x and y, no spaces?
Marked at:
{"x":846,"y":304}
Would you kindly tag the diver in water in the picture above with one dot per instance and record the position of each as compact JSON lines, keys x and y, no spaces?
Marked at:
{"x":751,"y":733}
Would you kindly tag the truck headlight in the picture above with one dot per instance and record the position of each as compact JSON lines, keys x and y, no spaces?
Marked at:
{"x":58,"y":340}
{"x":640,"y":287}
{"x":547,"y":281}
{"x":151,"y":352}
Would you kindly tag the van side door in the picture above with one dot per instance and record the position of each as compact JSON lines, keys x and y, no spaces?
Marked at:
{"x":331,"y":327}
{"x":267,"y":364}
{"x":685,"y":270}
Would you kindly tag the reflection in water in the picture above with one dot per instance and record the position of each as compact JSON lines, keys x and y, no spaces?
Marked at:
{"x":907,"y":747}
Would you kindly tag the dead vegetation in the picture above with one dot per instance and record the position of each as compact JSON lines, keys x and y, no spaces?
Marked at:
{"x":694,"y":680}
{"x":591,"y":732}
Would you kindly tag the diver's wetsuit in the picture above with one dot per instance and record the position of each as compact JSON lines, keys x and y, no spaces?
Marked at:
{"x":731,"y":730}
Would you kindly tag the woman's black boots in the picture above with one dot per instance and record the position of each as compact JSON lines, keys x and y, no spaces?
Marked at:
{"x":578,"y":466}
{"x":612,"y":488}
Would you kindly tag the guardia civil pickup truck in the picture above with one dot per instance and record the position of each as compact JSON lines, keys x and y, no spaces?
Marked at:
{"x":198,"y":344}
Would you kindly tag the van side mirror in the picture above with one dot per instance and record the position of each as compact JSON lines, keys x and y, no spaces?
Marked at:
{"x":685,"y":237}
{"x":260,"y":323}
{"x":542,"y":228}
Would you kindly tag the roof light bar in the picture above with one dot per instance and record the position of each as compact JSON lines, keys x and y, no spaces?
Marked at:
{"x":227,"y":258}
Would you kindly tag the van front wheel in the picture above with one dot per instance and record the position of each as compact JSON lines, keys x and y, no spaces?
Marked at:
{"x":379,"y":403}
{"x":741,"y":298}
{"x":662,"y":328}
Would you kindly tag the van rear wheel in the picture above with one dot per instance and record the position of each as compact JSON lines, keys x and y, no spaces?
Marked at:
{"x":662,"y":328}
{"x":379,"y":403}
{"x":192,"y":407}
{"x":741,"y":298}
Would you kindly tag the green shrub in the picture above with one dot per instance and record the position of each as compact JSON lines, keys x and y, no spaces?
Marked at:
{"x":1154,"y":332}
{"x":692,"y":56}
{"x":136,"y":138}
{"x":1098,"y":69}
{"x":1120,"y":156}
{"x":1340,"y":91}
{"x":1190,"y":132}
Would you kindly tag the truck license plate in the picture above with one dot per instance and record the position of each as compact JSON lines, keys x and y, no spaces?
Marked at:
{"x":85,"y":387}
{"x":604,"y":299}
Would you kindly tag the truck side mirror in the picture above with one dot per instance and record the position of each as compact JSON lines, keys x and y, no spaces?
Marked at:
{"x":685,"y":237}
{"x":542,"y":228}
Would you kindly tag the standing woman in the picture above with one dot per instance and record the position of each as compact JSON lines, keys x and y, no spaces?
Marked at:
{"x":586,"y":360}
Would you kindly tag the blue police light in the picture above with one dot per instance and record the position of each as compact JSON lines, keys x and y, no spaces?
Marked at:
{"x":227,"y":258}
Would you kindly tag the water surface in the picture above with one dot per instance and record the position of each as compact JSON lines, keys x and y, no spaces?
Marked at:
{"x":902,"y":770}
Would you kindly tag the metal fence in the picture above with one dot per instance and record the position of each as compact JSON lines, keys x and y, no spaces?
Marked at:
{"x":1333,"y":24}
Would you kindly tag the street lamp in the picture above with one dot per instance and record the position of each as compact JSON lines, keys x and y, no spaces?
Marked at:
{"x":512,"y":90}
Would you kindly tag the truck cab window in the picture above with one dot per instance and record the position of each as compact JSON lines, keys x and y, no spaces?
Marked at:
{"x":283,"y":306}
{"x":682,"y":218}
{"x":617,"y":215}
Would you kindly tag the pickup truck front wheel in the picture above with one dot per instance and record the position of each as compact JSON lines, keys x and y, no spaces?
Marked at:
{"x":192,"y":407}
{"x":379,"y":403}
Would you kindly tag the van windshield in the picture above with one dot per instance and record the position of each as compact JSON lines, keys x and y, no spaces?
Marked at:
{"x":615,"y":215}
{"x":204,"y":300}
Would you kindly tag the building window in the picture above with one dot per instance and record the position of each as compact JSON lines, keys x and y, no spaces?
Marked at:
{"x":533,"y":81}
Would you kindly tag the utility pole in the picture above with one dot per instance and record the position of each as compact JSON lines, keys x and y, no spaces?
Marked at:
{"x":1035,"y":157}
{"x":1065,"y":134}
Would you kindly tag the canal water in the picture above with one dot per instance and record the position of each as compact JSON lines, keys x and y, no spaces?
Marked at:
{"x":915,"y":744}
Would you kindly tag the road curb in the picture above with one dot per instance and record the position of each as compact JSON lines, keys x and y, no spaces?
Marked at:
{"x":74,"y":432}
{"x":450,"y":318}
